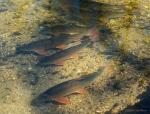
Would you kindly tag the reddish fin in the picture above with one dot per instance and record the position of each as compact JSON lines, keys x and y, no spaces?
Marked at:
{"x":61,"y":46}
{"x":81,"y":91}
{"x":41,"y":52}
{"x":59,"y":63}
{"x":62,"y":100}
{"x":73,"y":56}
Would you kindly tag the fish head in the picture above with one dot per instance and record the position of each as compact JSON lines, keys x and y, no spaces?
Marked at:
{"x":41,"y":100}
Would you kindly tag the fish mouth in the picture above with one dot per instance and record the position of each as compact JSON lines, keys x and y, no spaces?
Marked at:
{"x":40,"y":101}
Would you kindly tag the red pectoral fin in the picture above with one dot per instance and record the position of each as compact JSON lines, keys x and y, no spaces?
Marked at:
{"x":73,"y":56}
{"x":41,"y":52}
{"x":59,"y":63}
{"x":62,"y":100}
{"x":81,"y":91}
{"x":62,"y":46}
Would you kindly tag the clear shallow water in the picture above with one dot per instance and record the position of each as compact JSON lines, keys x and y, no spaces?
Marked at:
{"x":124,"y":44}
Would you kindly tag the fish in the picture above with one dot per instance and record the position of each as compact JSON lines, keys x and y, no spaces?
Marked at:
{"x":57,"y":30}
{"x":58,"y":93}
{"x":42,"y":46}
{"x":59,"y":58}
{"x":74,"y":31}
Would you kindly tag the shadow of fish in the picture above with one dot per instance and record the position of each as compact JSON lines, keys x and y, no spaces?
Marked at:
{"x":59,"y":57}
{"x":3,"y":10}
{"x":141,"y":107}
{"x":70,"y":8}
{"x":58,"y":93}
{"x":140,"y":64}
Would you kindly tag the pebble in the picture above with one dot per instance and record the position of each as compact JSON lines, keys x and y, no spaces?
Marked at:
{"x":98,"y":111}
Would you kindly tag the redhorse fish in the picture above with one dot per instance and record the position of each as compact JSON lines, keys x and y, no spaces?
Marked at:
{"x":63,"y":29}
{"x":40,"y":47}
{"x":59,"y":57}
{"x":75,"y":31}
{"x":58,"y":93}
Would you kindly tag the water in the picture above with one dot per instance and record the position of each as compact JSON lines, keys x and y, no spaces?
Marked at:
{"x":123,"y":47}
